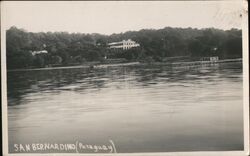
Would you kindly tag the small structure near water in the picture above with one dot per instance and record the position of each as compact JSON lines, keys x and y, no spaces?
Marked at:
{"x":212,"y":59}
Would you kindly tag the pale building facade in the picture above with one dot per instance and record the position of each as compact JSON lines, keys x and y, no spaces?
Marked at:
{"x":124,"y":44}
{"x":213,"y":59}
{"x":39,"y":52}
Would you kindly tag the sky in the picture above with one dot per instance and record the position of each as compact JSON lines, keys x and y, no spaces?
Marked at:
{"x":120,"y":16}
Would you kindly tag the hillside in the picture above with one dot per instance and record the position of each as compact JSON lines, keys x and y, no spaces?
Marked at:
{"x":76,"y":48}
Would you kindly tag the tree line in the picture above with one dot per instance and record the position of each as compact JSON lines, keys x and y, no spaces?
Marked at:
{"x":155,"y":45}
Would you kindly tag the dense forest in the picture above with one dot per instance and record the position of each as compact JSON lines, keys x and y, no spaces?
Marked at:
{"x":155,"y":45}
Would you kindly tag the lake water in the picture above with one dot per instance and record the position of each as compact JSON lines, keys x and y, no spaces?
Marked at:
{"x":138,"y":108}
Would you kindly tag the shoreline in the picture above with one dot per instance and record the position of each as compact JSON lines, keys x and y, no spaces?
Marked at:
{"x":77,"y":67}
{"x":176,"y":64}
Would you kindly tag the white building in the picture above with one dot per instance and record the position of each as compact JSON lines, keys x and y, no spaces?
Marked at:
{"x":124,"y":44}
{"x":39,"y":52}
{"x":212,"y":59}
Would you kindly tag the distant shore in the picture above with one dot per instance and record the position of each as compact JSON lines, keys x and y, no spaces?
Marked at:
{"x":174,"y":64}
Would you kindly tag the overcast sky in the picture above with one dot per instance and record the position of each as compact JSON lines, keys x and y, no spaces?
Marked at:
{"x":116,"y":16}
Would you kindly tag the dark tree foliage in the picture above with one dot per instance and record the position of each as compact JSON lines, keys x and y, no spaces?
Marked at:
{"x":155,"y":45}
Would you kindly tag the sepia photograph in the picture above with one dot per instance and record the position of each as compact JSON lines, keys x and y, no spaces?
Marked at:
{"x":124,"y":77}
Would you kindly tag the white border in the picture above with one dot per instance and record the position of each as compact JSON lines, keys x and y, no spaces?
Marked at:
{"x":245,"y":55}
{"x":4,"y":82}
{"x":205,"y":153}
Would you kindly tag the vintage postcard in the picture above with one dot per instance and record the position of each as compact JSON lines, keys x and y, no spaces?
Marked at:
{"x":125,"y":77}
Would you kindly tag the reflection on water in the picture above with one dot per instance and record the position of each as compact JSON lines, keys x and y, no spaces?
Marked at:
{"x":140,"y":108}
